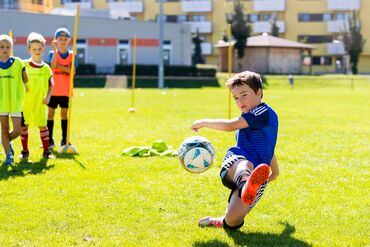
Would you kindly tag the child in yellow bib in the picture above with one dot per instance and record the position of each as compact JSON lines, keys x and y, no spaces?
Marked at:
{"x":12,"y":76}
{"x":37,"y":97}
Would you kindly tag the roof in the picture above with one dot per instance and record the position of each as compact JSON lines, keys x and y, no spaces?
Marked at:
{"x":266,"y":40}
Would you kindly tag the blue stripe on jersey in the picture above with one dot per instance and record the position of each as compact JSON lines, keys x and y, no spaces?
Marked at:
{"x":63,"y":55}
{"x":7,"y":64}
{"x":257,"y":142}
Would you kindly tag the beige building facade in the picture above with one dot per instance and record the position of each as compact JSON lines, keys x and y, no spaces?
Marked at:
{"x":314,"y":22}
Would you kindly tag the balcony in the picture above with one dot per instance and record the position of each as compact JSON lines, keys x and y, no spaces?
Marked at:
{"x":196,"y":5}
{"x":336,"y":26}
{"x":343,"y":4}
{"x":335,"y":48}
{"x":265,"y":26}
{"x":269,"y":5}
{"x":130,"y":6}
{"x":200,"y":26}
{"x":73,"y":5}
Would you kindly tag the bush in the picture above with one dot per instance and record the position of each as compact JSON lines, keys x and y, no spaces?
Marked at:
{"x":86,"y":69}
{"x":172,"y":70}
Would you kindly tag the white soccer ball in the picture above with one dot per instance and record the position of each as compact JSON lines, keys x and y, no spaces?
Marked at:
{"x":67,"y":149}
{"x":196,"y":154}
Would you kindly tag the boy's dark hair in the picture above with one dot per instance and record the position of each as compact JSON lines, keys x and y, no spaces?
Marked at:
{"x":252,"y":79}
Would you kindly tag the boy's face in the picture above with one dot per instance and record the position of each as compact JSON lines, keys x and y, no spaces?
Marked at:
{"x":63,"y":42}
{"x":5,"y":48}
{"x":245,"y":98}
{"x":36,"y":49}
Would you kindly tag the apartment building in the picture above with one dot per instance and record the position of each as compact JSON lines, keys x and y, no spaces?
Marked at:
{"x":315,"y":22}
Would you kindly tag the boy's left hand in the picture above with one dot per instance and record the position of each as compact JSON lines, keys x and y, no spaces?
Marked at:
{"x":46,"y":100}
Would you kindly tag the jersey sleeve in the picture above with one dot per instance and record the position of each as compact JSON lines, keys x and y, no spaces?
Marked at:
{"x":49,"y":74}
{"x":258,"y":117}
{"x":50,"y":56}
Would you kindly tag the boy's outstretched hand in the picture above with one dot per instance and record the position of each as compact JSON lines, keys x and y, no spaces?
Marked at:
{"x":197,"y":125}
{"x":54,"y":44}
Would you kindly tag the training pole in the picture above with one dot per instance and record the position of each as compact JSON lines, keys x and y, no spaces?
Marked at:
{"x":229,"y":64}
{"x":11,"y":36}
{"x":132,"y":108}
{"x":72,"y":74}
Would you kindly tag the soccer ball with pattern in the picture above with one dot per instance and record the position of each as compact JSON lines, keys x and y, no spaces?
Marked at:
{"x":196,"y":154}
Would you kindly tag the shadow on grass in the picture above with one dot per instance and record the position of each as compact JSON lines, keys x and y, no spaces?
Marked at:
{"x":68,"y":157}
{"x":259,"y":239}
{"x":24,"y":168}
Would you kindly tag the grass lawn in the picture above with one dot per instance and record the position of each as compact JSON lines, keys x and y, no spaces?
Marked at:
{"x":102,"y":198}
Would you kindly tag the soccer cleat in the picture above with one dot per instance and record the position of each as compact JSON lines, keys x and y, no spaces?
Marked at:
{"x":63,"y":143}
{"x":211,"y":222}
{"x":48,"y":155}
{"x":51,"y":144}
{"x":255,"y":180}
{"x":11,"y":149}
{"x":9,"y":160}
{"x":25,"y":154}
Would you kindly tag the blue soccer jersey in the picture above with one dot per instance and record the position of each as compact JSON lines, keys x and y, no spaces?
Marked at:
{"x":257,"y":142}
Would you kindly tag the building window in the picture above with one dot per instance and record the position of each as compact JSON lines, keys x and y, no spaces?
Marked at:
{"x":81,"y":49}
{"x":123,"y":52}
{"x":166,"y":56}
{"x":315,"y":39}
{"x":266,"y":17}
{"x":198,"y":18}
{"x":341,"y":16}
{"x":321,"y":60}
{"x":252,"y":17}
{"x":38,"y":2}
{"x":75,"y":1}
{"x":304,"y":17}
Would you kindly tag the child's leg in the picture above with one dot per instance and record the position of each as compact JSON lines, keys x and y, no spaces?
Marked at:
{"x":50,"y":124}
{"x":44,"y":135}
{"x":236,"y":211}
{"x":24,"y":137}
{"x":239,"y":173}
{"x":64,"y":124}
{"x":17,"y":125}
{"x":5,"y":139}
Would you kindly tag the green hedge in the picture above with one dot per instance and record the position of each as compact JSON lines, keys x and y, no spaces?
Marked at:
{"x":172,"y":70}
{"x":147,"y":82}
{"x":89,"y":81}
{"x":86,"y":69}
{"x":174,"y":82}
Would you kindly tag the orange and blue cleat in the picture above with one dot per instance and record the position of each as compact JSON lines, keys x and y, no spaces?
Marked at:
{"x":258,"y":176}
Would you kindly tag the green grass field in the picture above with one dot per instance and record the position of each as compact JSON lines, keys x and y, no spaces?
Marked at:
{"x":100,"y":198}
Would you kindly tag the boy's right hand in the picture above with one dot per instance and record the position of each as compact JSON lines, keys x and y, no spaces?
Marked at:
{"x":54,"y":44}
{"x":197,"y":125}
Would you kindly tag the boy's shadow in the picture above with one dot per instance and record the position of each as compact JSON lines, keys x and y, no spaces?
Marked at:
{"x":259,"y":239}
{"x":68,"y":157}
{"x":23,"y":168}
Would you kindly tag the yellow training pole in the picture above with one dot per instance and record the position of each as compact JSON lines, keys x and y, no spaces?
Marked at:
{"x":132,"y":108}
{"x":11,"y":36}
{"x":72,"y":74}
{"x":229,"y":63}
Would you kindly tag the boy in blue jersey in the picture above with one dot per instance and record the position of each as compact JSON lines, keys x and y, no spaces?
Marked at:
{"x":60,"y":60}
{"x":251,"y":163}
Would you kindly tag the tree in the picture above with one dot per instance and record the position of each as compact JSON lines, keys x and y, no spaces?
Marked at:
{"x":353,"y":40}
{"x":274,"y":27}
{"x":239,"y":29}
{"x":197,"y":55}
